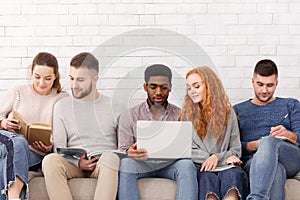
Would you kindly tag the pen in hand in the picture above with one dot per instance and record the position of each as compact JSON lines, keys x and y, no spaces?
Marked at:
{"x":283,"y":119}
{"x":280,"y":123}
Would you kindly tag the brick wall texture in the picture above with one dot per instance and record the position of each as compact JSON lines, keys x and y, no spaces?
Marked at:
{"x":128,"y":35}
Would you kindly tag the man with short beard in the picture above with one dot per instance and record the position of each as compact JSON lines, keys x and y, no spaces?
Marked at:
{"x":263,"y":122}
{"x":88,"y":120}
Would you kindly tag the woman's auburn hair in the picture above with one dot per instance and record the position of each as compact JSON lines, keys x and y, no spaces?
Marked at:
{"x":211,"y":114}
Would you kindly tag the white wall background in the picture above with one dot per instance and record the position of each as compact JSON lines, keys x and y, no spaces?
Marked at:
{"x":233,"y":35}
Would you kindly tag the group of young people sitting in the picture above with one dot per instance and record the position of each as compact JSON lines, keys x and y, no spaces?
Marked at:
{"x":247,"y":135}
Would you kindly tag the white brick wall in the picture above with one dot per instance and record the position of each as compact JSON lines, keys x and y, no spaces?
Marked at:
{"x":232,"y":35}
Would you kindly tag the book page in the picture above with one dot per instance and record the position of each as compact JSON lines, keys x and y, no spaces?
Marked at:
{"x":22,"y":123}
{"x":218,"y":169}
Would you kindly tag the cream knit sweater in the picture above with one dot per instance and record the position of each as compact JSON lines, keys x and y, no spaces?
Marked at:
{"x":25,"y":100}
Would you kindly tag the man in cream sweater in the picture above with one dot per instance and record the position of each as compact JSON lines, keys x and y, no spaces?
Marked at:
{"x":88,"y":120}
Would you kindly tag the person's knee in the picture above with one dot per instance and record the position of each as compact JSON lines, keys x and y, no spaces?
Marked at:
{"x":185,"y":164}
{"x":207,"y":177}
{"x":20,"y":144}
{"x":127,"y":165}
{"x":51,"y":162}
{"x":232,"y":194}
{"x":235,"y":173}
{"x":269,"y":143}
{"x":127,"y":162}
{"x":110,"y":160}
{"x":186,"y":167}
{"x":268,"y":147}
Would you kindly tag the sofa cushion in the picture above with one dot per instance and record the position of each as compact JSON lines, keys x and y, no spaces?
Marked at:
{"x":83,"y":188}
{"x":150,"y":188}
{"x":292,"y":189}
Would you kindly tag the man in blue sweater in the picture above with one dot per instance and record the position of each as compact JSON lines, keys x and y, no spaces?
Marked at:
{"x":264,"y":121}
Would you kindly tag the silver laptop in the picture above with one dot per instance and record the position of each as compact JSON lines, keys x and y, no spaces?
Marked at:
{"x":165,"y":140}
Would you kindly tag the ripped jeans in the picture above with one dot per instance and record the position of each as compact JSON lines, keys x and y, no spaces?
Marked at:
{"x":15,"y":158}
{"x":220,"y":183}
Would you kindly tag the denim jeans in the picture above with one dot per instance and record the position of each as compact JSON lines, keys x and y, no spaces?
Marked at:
{"x":274,"y":162}
{"x":14,"y":156}
{"x":182,"y":171}
{"x":34,"y":158}
{"x":220,"y":183}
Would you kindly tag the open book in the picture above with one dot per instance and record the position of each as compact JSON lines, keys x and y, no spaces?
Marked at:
{"x":77,"y":152}
{"x":218,"y":169}
{"x":37,"y":131}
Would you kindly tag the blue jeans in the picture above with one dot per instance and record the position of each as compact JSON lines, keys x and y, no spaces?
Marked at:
{"x":274,"y":162}
{"x":220,"y":183}
{"x":182,"y":171}
{"x":14,"y":161}
{"x":34,"y":158}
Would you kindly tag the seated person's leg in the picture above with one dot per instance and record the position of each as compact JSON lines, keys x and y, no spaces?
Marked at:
{"x":34,"y":161}
{"x":57,"y":170}
{"x":232,"y":195}
{"x":262,"y":169}
{"x":14,"y":190}
{"x":208,"y":184}
{"x":264,"y":166}
{"x":130,"y":171}
{"x":211,"y":197}
{"x":15,"y":163}
{"x":234,"y":183}
{"x":106,"y":172}
{"x":278,"y":183}
{"x":182,"y":171}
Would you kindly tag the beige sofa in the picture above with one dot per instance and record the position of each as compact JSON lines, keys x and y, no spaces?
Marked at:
{"x":150,"y":188}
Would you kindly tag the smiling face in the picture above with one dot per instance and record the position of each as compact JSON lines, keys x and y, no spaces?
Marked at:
{"x":83,"y":83}
{"x":195,"y":88}
{"x":158,"y":88}
{"x":43,"y":79}
{"x":264,"y":88}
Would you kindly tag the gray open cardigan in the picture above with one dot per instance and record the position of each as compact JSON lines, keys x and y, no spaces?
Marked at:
{"x":228,"y":146}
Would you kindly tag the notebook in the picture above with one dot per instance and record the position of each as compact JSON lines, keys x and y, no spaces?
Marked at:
{"x":165,"y":140}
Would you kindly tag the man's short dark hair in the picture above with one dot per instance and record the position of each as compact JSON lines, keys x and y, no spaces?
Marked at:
{"x":85,"y":59}
{"x":266,"y":67}
{"x":158,"y":70}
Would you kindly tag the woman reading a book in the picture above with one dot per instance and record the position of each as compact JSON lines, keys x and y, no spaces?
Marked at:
{"x":34,"y":102}
{"x":216,"y":144}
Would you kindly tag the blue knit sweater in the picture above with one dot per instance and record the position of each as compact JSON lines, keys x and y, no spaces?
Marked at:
{"x":256,"y":121}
